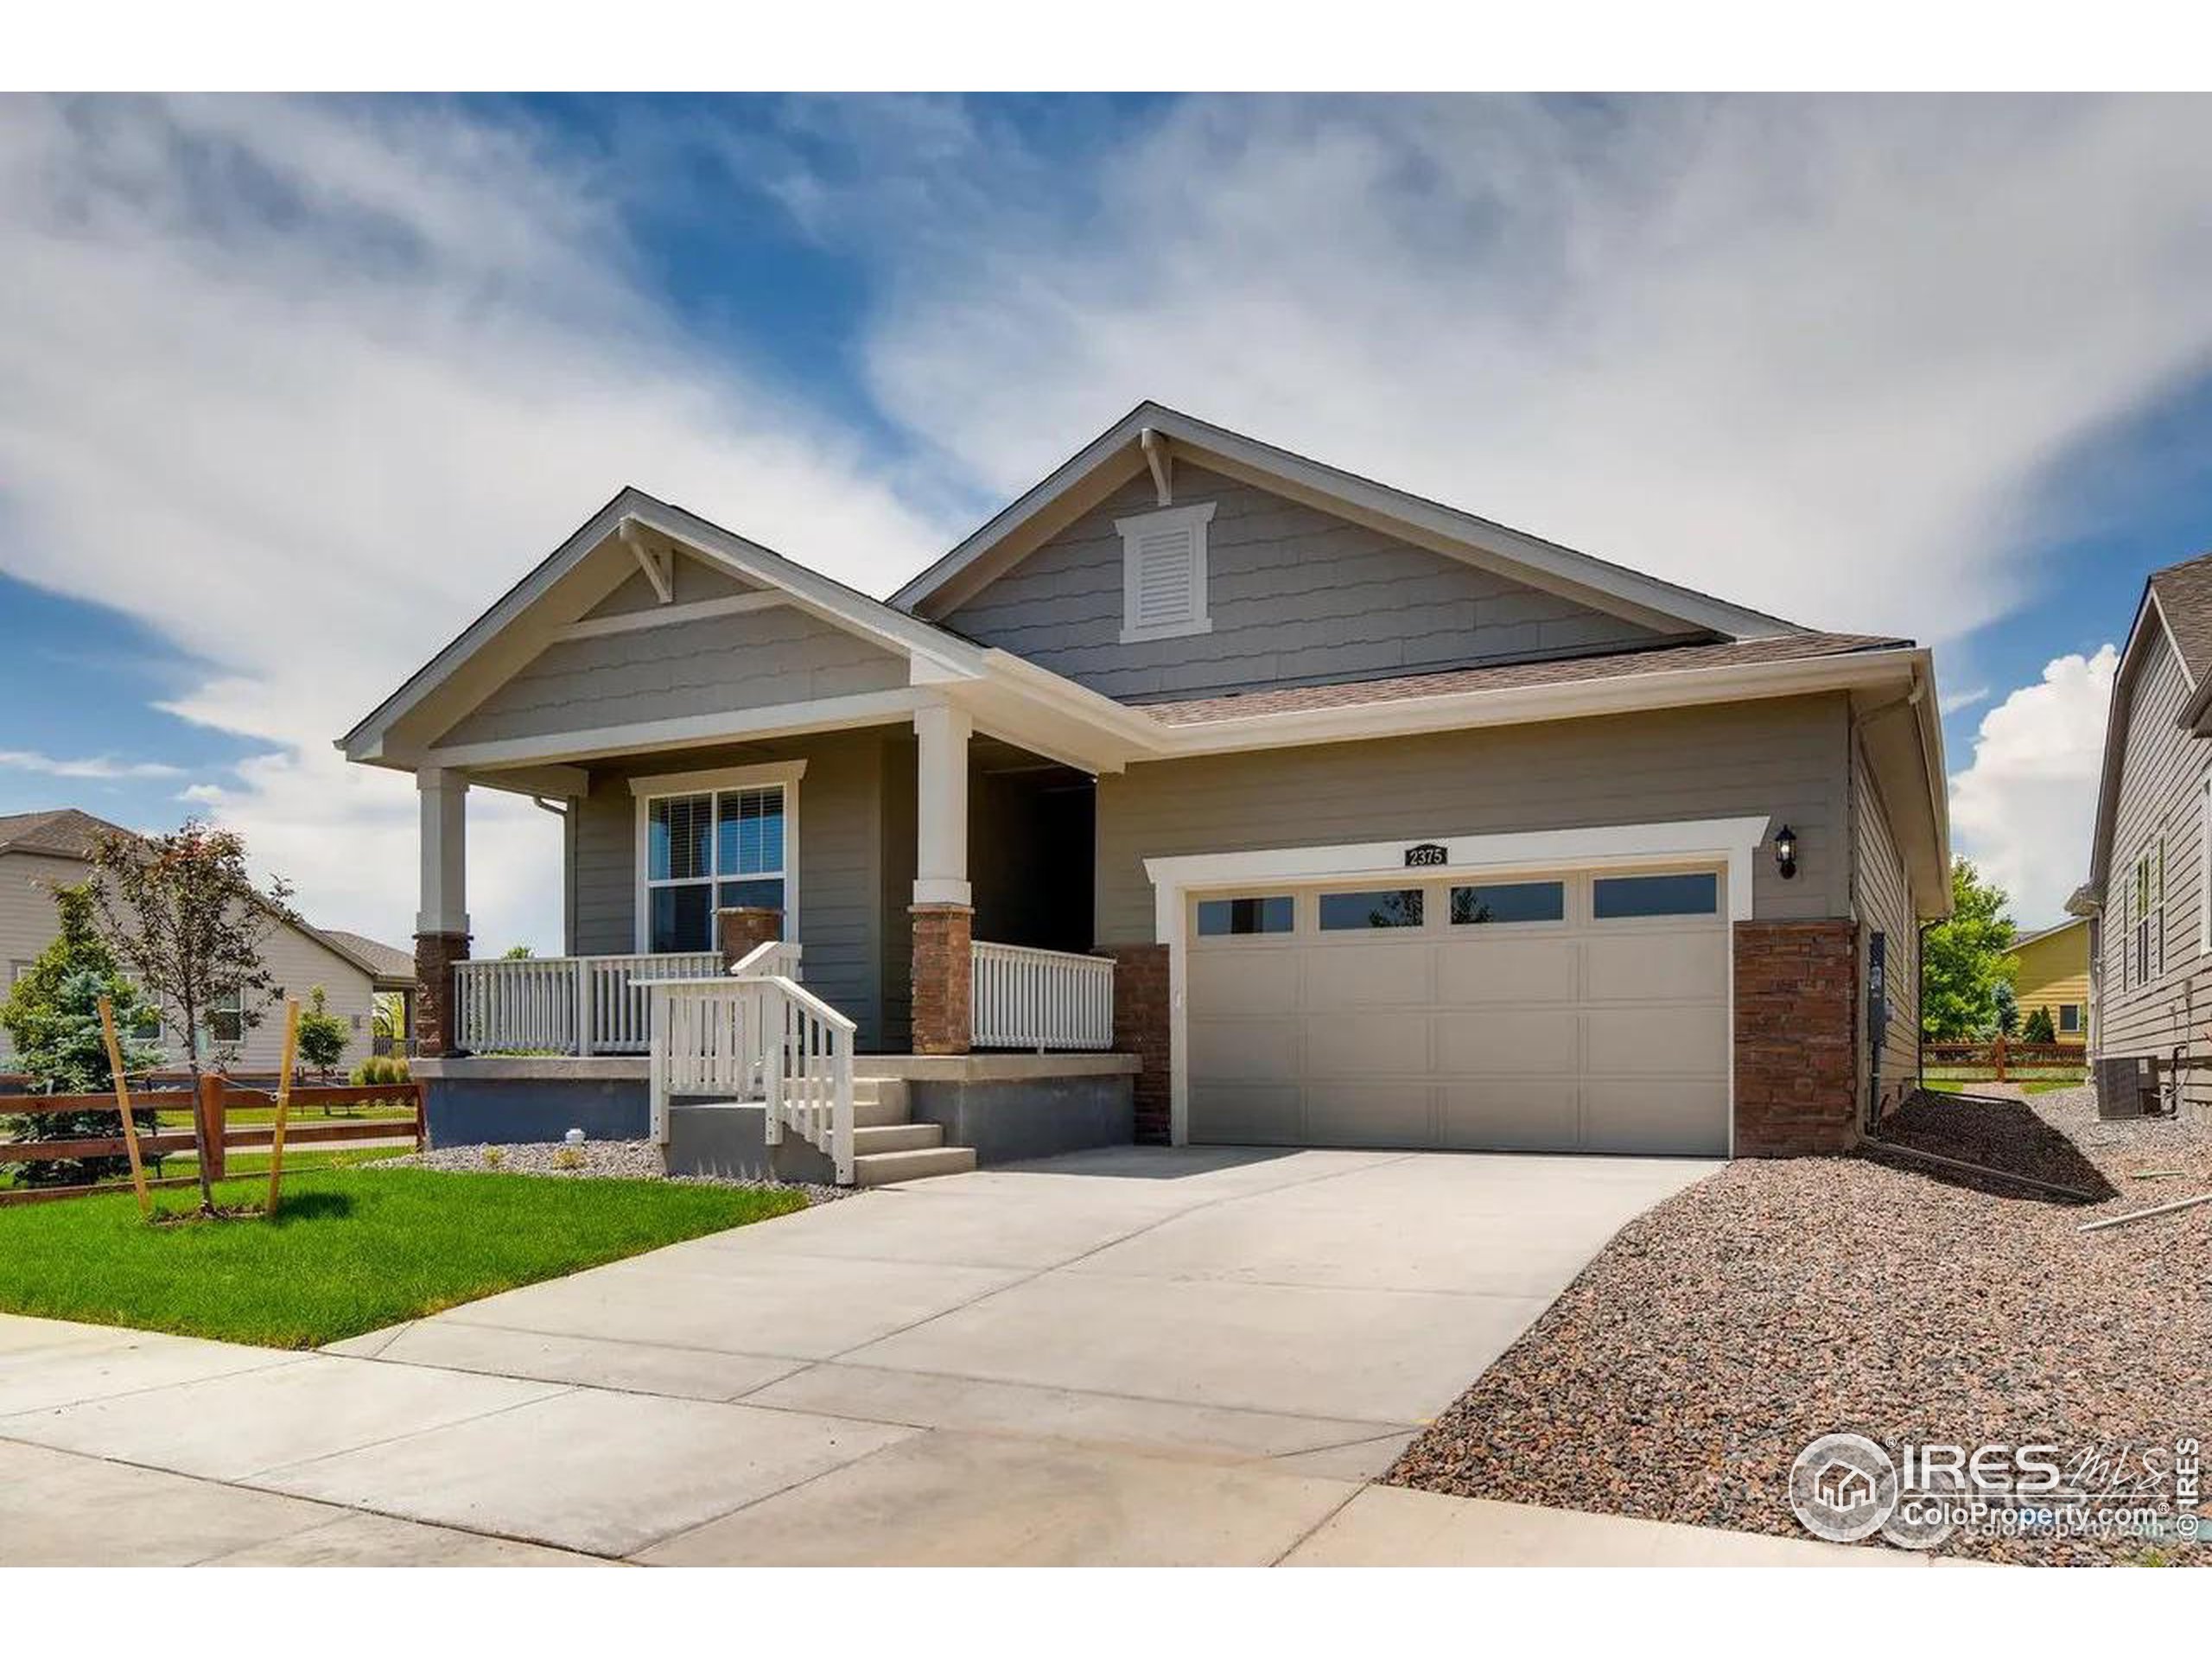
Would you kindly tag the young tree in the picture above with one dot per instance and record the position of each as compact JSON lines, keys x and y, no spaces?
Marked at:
{"x":1965,"y":958}
{"x":517,"y":953}
{"x":52,"y":1015}
{"x":323,"y":1035}
{"x":2040,"y":1027}
{"x":184,"y":915}
{"x":2008,"y":1009}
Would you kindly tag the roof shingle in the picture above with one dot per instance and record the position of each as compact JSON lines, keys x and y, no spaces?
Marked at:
{"x":2184,"y":592}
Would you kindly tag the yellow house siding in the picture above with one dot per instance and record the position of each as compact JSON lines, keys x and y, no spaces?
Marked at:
{"x":2055,"y":971}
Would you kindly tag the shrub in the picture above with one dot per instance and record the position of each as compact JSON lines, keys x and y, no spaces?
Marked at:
{"x":380,"y":1070}
{"x":2039,"y":1028}
{"x":323,"y":1035}
{"x":52,"y":1017}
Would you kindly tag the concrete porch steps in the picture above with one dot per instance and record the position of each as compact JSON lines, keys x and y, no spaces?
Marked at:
{"x":888,"y":1146}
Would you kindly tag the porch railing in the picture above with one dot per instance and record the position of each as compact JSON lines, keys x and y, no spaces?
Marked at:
{"x":565,"y":1004}
{"x":758,"y":1037}
{"x":1023,"y":997}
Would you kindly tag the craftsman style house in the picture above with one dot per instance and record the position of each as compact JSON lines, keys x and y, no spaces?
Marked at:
{"x":2150,"y":928}
{"x":1205,"y":794}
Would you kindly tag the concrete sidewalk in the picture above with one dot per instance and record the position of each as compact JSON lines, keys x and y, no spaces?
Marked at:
{"x":1136,"y":1356}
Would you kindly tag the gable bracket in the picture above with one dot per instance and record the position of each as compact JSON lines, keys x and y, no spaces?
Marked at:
{"x":1162,"y":463}
{"x":658,"y":563}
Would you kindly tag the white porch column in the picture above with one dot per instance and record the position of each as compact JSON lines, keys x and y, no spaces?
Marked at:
{"x":941,"y":803}
{"x":444,"y":800}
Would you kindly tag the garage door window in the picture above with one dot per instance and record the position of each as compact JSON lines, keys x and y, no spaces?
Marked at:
{"x":1508,"y":902}
{"x":1622,"y":898}
{"x":1228,"y":916}
{"x":1382,"y":907}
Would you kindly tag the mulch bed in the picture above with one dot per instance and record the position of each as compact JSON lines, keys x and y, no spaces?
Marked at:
{"x":1776,"y":1301}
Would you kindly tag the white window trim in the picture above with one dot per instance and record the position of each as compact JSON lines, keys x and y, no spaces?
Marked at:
{"x":1732,"y":843}
{"x":1194,"y":517}
{"x":784,"y":774}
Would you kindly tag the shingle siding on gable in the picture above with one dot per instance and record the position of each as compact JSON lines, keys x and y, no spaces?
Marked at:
{"x":714,"y":665}
{"x":2161,"y":780}
{"x":1295,"y":595}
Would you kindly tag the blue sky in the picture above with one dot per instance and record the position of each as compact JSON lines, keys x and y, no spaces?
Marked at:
{"x":295,"y":387}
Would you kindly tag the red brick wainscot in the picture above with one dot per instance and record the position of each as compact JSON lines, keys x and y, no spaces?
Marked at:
{"x":1797,"y":1045}
{"x":1142,"y":1027}
{"x":436,"y":1022}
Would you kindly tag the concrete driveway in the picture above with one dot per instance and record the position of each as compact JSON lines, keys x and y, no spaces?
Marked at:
{"x":1137,"y":1355}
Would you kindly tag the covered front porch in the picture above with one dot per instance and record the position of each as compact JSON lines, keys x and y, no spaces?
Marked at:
{"x":854,"y":849}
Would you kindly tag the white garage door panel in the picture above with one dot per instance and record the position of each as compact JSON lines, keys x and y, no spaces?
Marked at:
{"x":1250,"y":1115}
{"x":1247,"y":1051}
{"x":1576,"y":1035}
{"x":1520,"y":1114}
{"x":1256,"y":980}
{"x":1510,"y":1042}
{"x":1367,"y":975}
{"x":1475,"y":965}
{"x":1636,"y":967}
{"x":1376,"y":1114}
{"x":1651,"y":1115}
{"x":1665,"y":1041}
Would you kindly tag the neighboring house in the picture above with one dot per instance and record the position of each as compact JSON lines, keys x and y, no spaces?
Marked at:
{"x":2055,"y":975}
{"x":2150,"y":932}
{"x":1400,"y":828}
{"x":40,"y":851}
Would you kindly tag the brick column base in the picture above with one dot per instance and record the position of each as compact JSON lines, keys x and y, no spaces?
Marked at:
{"x":944,"y":987}
{"x":1797,"y":1038}
{"x":1142,"y":1027}
{"x":740,"y":929}
{"x":435,"y":1027}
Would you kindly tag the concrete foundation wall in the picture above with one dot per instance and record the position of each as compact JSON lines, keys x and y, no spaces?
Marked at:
{"x":510,"y":1111}
{"x":730,"y":1141}
{"x":1035,"y":1117}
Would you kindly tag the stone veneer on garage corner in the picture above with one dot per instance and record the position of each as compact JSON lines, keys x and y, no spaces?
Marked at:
{"x":1797,"y":1038}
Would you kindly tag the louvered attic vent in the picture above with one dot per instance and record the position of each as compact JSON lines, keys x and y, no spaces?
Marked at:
{"x":1163,"y":573}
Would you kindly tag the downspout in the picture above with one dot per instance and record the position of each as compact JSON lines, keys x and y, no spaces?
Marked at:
{"x":1911,"y":699}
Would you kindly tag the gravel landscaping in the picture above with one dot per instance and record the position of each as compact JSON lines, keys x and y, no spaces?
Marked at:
{"x":624,"y":1160}
{"x":1775,"y":1301}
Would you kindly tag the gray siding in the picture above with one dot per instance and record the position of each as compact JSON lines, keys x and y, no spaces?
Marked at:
{"x":1295,"y":596}
{"x":841,"y":884}
{"x":1882,"y":899}
{"x":2161,"y":777}
{"x":689,"y":581}
{"x":1785,"y":758}
{"x":717,"y":666}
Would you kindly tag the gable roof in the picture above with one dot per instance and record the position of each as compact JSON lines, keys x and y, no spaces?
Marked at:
{"x":1130,"y":444}
{"x":2021,"y":940}
{"x":63,"y":832}
{"x":383,"y":962}
{"x":2184,"y":596}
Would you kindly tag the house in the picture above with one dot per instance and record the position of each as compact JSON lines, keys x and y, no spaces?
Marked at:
{"x":40,"y":851}
{"x":1334,"y":815}
{"x":2055,"y":976}
{"x":2149,"y":927}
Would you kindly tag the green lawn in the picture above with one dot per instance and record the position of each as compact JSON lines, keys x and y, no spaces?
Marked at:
{"x":353,"y":1250}
{"x":1972,"y":1085}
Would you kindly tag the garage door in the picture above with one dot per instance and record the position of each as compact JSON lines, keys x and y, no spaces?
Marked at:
{"x":1586,"y":1011}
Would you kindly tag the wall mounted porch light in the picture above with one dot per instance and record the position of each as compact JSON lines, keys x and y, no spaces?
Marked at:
{"x":1785,"y":851}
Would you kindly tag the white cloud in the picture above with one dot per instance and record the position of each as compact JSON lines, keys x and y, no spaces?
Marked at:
{"x":1955,"y":701}
{"x":2023,"y":810}
{"x":104,"y":767}
{"x":1816,"y":354}
{"x":304,"y":387}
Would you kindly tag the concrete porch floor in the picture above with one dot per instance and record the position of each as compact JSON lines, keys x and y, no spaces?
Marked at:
{"x":1138,"y":1355}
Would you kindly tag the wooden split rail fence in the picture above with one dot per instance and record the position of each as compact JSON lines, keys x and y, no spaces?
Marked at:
{"x":216,"y":1099}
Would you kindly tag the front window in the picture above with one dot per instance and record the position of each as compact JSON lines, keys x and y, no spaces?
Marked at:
{"x":711,"y":850}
